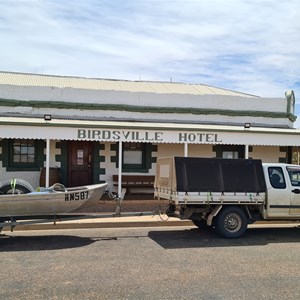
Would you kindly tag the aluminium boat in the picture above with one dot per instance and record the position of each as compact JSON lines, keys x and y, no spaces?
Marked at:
{"x":50,"y":202}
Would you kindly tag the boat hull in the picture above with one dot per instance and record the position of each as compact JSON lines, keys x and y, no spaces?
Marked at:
{"x":72,"y":200}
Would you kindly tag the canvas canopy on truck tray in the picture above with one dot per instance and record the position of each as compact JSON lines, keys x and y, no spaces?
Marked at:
{"x":194,"y":174}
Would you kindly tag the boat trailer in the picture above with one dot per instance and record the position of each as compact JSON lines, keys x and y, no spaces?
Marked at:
{"x":12,"y":222}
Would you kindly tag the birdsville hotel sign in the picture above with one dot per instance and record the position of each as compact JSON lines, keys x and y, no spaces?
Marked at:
{"x":147,"y":136}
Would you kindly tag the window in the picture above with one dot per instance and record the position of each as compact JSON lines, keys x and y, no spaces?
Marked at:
{"x":23,"y":151}
{"x":134,"y":156}
{"x":23,"y":154}
{"x":230,"y":154}
{"x":229,"y":151}
{"x":276,"y":178}
{"x":294,"y":174}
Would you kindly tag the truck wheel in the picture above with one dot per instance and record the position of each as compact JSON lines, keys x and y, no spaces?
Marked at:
{"x":20,"y":188}
{"x":200,"y":223}
{"x":231,"y":222}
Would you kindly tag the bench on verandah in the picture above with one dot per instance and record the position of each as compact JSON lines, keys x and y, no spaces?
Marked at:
{"x":135,"y":181}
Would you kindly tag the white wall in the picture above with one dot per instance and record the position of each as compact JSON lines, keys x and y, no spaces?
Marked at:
{"x":178,"y":150}
{"x":266,"y":154}
{"x":53,"y":153}
{"x":210,"y":102}
{"x":172,"y":117}
{"x":201,"y":151}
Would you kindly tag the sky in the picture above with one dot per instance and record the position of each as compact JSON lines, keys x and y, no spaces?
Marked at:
{"x":250,"y":46}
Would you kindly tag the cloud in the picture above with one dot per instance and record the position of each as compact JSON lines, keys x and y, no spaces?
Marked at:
{"x":250,"y":46}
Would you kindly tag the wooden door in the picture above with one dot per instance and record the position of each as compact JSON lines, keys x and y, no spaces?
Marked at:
{"x":80,"y":163}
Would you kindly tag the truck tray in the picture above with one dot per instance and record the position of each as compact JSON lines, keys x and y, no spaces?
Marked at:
{"x":199,"y":180}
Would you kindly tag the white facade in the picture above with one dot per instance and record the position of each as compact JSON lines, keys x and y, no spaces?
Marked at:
{"x":140,"y":101}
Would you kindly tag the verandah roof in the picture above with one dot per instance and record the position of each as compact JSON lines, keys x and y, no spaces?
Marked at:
{"x":107,"y":131}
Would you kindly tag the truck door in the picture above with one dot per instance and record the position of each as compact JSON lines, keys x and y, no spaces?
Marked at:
{"x":294,"y":178}
{"x":278,"y":202}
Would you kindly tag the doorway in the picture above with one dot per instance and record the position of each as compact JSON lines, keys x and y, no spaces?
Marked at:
{"x":80,"y":163}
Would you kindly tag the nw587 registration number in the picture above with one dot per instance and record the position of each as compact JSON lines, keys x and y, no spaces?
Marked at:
{"x":77,"y":196}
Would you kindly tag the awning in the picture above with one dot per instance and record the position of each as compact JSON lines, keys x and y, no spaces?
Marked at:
{"x":145,"y":132}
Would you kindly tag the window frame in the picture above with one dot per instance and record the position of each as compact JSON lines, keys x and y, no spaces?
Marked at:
{"x":128,"y":167}
{"x":132,"y":168}
{"x":220,"y":149}
{"x":7,"y":156}
{"x":23,"y":145}
{"x":280,"y":173}
{"x":291,"y":172}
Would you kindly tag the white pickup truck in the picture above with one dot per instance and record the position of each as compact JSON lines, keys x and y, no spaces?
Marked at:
{"x":228,"y":194}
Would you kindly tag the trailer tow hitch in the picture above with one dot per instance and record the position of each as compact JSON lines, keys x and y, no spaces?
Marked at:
{"x":114,"y":196}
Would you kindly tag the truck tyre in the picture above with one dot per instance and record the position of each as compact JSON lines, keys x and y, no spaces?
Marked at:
{"x":21,"y":187}
{"x":231,"y":222}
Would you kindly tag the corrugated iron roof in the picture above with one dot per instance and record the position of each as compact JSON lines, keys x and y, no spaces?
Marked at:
{"x":26,"y":79}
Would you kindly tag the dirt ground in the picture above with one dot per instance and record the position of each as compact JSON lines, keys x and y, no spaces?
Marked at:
{"x":131,"y":203}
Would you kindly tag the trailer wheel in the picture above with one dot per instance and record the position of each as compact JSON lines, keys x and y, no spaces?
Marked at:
{"x":231,"y":222}
{"x":21,"y":187}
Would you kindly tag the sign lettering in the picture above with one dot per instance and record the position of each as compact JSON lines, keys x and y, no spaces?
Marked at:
{"x":118,"y":135}
{"x":199,"y":137}
{"x":148,"y":136}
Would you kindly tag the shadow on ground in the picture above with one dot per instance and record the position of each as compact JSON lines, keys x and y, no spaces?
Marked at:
{"x":196,"y":238}
{"x":43,"y":242}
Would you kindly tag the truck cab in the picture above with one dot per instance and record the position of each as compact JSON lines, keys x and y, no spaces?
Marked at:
{"x":283,"y":191}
